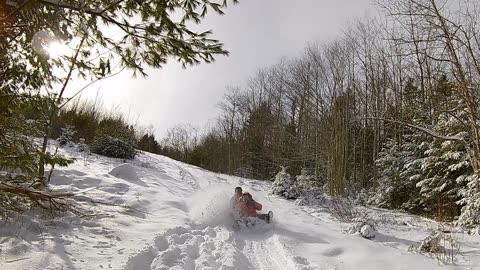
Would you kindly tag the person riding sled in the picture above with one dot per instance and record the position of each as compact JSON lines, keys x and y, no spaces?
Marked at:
{"x":237,"y":196}
{"x":235,"y":203}
{"x":249,"y":207}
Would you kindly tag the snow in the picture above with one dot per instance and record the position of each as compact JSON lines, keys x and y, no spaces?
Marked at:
{"x":368,"y":232}
{"x":158,"y":213}
{"x":125,"y":171}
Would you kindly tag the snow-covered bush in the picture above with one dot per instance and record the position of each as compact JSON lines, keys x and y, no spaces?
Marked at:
{"x":67,"y":135}
{"x":443,"y":247}
{"x":306,"y":183}
{"x":431,"y":244}
{"x":363,"y":226}
{"x":362,"y":197}
{"x":354,"y":228}
{"x":284,"y":185}
{"x":470,"y":216}
{"x":83,"y":146}
{"x":305,"y":187}
{"x":367,"y":232}
{"x":113,"y":147}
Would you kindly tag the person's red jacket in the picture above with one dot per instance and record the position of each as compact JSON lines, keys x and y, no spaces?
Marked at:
{"x":250,"y":208}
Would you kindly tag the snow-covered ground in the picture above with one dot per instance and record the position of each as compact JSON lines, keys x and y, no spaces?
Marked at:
{"x":170,"y":215}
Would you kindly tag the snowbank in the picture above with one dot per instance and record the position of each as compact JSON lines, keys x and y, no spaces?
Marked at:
{"x":125,"y":171}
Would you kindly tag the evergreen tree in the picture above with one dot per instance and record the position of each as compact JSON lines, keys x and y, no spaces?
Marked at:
{"x":414,"y":146}
{"x":116,"y":128}
{"x":17,"y":151}
{"x":444,"y":162}
{"x":67,"y":135}
{"x":284,"y":185}
{"x":148,"y":143}
{"x":392,"y":190}
{"x":470,"y":193}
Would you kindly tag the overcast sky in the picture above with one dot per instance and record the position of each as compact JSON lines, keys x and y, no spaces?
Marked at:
{"x":256,"y":32}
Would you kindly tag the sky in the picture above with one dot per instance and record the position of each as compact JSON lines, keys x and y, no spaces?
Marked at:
{"x":257,"y":33}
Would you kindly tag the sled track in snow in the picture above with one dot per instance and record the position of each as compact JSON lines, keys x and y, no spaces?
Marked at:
{"x":272,"y":253}
{"x":215,"y":248}
{"x":262,"y":255}
{"x":189,"y":248}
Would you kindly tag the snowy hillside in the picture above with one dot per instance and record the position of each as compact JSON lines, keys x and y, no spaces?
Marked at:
{"x":168,"y":215}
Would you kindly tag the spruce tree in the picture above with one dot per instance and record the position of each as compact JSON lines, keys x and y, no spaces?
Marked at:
{"x":444,"y":162}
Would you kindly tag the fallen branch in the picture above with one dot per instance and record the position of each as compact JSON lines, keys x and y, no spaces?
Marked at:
{"x":31,"y":193}
{"x":57,"y":201}
{"x":46,"y":200}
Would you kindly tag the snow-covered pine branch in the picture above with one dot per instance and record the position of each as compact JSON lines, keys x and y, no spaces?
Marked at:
{"x":422,"y":129}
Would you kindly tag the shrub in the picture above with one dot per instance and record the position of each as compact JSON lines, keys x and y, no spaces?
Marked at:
{"x":343,"y":209}
{"x":431,"y":244}
{"x":443,"y":247}
{"x":285,"y":186}
{"x":304,"y":186}
{"x":116,"y":127}
{"x":113,"y":147}
{"x":363,"y":226}
{"x":67,"y":135}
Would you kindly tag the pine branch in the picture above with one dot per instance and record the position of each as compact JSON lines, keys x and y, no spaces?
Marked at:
{"x":59,"y":4}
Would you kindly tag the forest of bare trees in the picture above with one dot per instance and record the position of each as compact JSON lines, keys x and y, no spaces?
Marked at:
{"x":390,"y":108}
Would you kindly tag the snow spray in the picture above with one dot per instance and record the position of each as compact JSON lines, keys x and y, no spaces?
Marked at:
{"x":210,"y":206}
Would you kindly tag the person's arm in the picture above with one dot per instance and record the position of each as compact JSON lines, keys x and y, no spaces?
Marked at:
{"x":257,"y":206}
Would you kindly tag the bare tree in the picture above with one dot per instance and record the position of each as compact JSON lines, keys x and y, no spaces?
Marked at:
{"x":455,"y":41}
{"x":182,"y":138}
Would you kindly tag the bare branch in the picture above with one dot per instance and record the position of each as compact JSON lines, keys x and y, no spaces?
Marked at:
{"x":422,"y":129}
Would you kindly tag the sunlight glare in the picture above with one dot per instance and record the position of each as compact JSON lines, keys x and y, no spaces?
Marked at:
{"x":57,"y":49}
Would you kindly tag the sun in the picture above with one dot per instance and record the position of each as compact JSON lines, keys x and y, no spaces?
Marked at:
{"x":57,"y":49}
{"x":46,"y":44}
